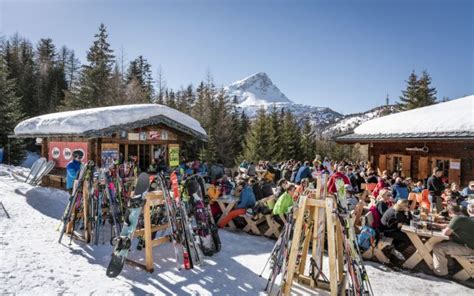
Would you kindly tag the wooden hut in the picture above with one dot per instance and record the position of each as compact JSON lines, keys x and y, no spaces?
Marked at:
{"x":415,"y":141}
{"x":144,"y":131}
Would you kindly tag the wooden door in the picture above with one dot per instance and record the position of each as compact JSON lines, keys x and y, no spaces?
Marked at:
{"x":406,"y":166}
{"x":455,"y":170}
{"x":382,"y":164}
{"x":423,"y":168}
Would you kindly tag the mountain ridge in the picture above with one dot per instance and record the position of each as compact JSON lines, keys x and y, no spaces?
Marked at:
{"x":258,"y":91}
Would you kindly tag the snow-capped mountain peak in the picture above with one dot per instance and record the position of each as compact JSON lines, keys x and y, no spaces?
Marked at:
{"x":256,"y":89}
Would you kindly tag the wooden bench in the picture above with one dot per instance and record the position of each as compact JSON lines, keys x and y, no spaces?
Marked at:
{"x":467,"y":263}
{"x":376,"y":251}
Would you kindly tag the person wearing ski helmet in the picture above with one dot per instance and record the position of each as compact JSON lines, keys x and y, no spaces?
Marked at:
{"x":72,"y":169}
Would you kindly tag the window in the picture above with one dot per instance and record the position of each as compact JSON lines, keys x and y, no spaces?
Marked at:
{"x":444,"y":165}
{"x":397,"y":164}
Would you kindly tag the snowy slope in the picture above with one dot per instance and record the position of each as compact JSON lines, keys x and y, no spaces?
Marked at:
{"x":79,"y":121}
{"x":33,"y":263}
{"x":349,"y":122}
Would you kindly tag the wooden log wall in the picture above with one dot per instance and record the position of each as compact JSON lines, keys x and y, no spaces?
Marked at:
{"x":421,"y":163}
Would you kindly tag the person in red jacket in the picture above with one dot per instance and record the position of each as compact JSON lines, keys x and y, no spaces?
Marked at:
{"x":339,"y":174}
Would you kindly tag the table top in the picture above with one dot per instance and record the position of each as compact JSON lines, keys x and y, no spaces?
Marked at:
{"x":228,"y":199}
{"x":426,"y":233}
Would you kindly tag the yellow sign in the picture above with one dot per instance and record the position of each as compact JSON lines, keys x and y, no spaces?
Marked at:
{"x":173,"y":155}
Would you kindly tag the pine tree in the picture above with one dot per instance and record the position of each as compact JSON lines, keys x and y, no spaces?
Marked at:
{"x":257,"y":145}
{"x":161,"y":86}
{"x":408,"y":100}
{"x":10,"y":114}
{"x":275,"y":135}
{"x":308,"y":144}
{"x":94,"y":82}
{"x":291,"y":137}
{"x":426,"y":93}
{"x":418,"y":93}
{"x":140,"y":70}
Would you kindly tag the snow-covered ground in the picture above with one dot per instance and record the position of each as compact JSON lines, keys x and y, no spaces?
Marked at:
{"x":33,"y":263}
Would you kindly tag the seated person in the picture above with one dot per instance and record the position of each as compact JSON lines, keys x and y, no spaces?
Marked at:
{"x":469,"y":190}
{"x":285,"y":201}
{"x":226,"y":186}
{"x":257,"y":188}
{"x":392,"y":222}
{"x":300,"y":189}
{"x":399,"y":189}
{"x":418,"y":187}
{"x":461,"y":231}
{"x":281,"y":187}
{"x":351,"y":198}
{"x":246,"y":201}
{"x":456,"y":193}
{"x":267,"y":189}
{"x":384,"y":201}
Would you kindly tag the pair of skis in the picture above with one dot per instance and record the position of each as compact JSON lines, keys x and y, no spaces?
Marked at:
{"x":182,"y":236}
{"x":359,"y":281}
{"x":86,"y":170}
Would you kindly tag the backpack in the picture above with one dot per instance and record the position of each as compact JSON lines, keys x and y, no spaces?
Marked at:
{"x":366,"y":238}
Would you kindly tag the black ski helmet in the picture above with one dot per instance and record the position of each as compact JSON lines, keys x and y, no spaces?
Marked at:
{"x":78,"y":154}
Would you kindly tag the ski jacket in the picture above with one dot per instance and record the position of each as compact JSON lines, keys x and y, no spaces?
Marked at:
{"x":247,"y":198}
{"x":72,"y":168}
{"x":332,"y":181}
{"x":303,"y":172}
{"x":284,"y":202}
{"x":435,"y":186}
{"x":400,"y":191}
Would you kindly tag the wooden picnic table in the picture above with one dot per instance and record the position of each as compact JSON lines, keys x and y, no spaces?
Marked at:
{"x":423,"y":249}
{"x":261,"y":173}
{"x":226,"y":204}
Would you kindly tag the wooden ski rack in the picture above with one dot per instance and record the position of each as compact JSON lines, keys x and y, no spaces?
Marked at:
{"x":153,"y":198}
{"x":315,"y":212}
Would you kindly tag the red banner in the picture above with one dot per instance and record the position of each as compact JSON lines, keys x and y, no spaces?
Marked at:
{"x":61,"y":152}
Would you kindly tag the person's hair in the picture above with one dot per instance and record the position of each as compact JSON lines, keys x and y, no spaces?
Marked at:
{"x":401,"y":203}
{"x":437,"y":169}
{"x":281,"y":181}
{"x":304,"y":180}
{"x":242,"y":183}
{"x":291,"y":187}
{"x":453,"y":208}
{"x":470,"y":208}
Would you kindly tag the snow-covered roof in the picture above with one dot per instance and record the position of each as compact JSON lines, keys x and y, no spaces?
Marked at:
{"x":89,"y":122}
{"x":452,"y":119}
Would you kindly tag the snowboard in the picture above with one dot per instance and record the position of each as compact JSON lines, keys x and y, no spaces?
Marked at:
{"x":206,"y":229}
{"x":123,"y":243}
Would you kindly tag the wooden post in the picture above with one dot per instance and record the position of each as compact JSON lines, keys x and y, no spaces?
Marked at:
{"x":87,"y":224}
{"x":331,"y":246}
{"x":148,"y":245}
{"x":294,"y":246}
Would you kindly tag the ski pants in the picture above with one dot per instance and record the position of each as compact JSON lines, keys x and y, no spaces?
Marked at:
{"x":401,"y":241}
{"x":441,"y":250}
{"x":232,"y":214}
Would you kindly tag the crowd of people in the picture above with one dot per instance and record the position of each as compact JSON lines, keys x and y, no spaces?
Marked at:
{"x":386,"y":195}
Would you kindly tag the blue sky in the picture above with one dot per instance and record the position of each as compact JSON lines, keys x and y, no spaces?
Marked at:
{"x":346,"y":55}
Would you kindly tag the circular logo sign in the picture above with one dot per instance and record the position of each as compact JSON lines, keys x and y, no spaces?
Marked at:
{"x":67,"y":153}
{"x":55,"y":152}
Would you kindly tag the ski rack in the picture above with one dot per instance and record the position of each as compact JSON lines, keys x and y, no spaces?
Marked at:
{"x":315,"y":211}
{"x":153,"y":198}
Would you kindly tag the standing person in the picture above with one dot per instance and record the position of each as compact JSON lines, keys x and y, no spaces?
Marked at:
{"x":303,"y":172}
{"x":252,"y":170}
{"x":436,"y":187}
{"x":72,"y":169}
{"x":461,"y":231}
{"x":339,"y":174}
{"x":352,"y":177}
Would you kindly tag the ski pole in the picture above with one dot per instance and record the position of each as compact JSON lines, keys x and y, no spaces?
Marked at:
{"x":5,"y":210}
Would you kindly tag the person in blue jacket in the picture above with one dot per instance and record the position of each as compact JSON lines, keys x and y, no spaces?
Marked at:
{"x":303,"y":172}
{"x":400,"y":190}
{"x":247,"y":197}
{"x":73,"y":168}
